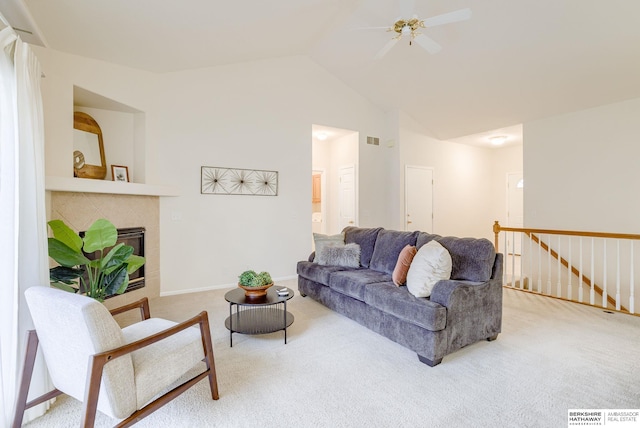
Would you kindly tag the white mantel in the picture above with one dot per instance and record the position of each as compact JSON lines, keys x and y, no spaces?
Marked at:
{"x":87,"y":185}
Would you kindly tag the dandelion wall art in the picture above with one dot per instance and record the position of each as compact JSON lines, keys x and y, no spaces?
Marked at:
{"x":237,"y":181}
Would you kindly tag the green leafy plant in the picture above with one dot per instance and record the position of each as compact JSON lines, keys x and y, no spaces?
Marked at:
{"x":250,"y":278}
{"x":106,"y":275}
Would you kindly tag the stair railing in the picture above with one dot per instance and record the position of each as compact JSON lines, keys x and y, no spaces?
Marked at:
{"x":571,"y":264}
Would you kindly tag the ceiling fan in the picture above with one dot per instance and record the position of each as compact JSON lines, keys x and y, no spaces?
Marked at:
{"x":409,"y":28}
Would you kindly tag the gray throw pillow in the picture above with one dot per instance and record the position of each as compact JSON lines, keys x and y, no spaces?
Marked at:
{"x":321,"y":241}
{"x":347,"y":256}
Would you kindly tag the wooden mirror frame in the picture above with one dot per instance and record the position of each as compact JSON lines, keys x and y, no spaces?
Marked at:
{"x":84,"y":122}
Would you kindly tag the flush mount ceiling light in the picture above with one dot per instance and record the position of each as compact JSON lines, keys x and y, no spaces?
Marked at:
{"x":498,"y":140}
{"x":321,"y":136}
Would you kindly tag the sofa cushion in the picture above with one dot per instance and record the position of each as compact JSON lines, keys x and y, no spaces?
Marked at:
{"x":364,"y":237}
{"x":431,"y":264}
{"x":399,"y":274}
{"x":348,"y":256}
{"x":321,"y":241}
{"x":352,"y":283}
{"x":424,"y":237}
{"x":317,"y":273}
{"x":472,"y":259}
{"x":388,"y":247}
{"x":398,"y":302}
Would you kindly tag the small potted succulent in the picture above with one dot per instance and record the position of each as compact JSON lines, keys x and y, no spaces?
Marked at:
{"x":254,"y":284}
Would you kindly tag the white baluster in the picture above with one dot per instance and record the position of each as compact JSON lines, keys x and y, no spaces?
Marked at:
{"x":530,"y":282}
{"x":521,"y":284}
{"x":506,"y":255}
{"x":592,"y":293}
{"x":604,"y":274}
{"x":580,"y":280}
{"x":559,"y":285}
{"x":549,"y":264}
{"x":570,"y":274}
{"x":513,"y":259}
{"x":618,"y":276}
{"x":539,"y":264}
{"x":632,"y":283}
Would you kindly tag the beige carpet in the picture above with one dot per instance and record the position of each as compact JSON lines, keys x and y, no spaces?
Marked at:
{"x":551,"y":356}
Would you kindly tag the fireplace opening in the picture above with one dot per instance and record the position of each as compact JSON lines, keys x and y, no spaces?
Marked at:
{"x":133,"y":236}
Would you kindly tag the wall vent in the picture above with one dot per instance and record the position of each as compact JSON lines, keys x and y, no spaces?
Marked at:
{"x":373,"y":141}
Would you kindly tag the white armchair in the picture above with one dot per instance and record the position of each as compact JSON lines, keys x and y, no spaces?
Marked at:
{"x":121,"y":372}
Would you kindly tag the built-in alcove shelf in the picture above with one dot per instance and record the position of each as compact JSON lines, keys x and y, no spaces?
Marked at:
{"x":87,"y":185}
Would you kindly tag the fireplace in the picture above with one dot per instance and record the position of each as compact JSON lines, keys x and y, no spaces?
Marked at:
{"x":133,"y":236}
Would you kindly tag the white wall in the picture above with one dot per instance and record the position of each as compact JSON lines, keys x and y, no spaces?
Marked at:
{"x":581,"y":170}
{"x":128,"y":86}
{"x":254,"y":115}
{"x":463,"y":204}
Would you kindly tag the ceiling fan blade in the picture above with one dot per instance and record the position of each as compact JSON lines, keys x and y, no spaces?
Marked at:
{"x":386,"y":48}
{"x":407,"y":8}
{"x":427,"y":44}
{"x":446,"y":18}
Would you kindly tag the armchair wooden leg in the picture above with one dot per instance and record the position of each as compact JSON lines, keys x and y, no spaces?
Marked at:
{"x":92,"y":390}
{"x":30,"y":353}
{"x":208,"y":355}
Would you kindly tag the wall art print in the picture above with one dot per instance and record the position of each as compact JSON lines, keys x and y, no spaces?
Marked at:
{"x":237,"y":181}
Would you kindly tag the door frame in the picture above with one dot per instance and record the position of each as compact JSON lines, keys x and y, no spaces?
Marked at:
{"x":406,"y":192}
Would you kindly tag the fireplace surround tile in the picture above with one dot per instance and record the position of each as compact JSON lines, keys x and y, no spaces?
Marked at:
{"x":80,"y":210}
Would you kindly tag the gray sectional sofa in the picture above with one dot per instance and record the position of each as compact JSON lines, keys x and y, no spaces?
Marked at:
{"x":460,"y":311}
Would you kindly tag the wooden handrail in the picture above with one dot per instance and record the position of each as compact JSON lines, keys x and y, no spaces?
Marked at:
{"x":497,"y":229}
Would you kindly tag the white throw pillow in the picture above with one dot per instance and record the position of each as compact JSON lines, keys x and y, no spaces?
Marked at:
{"x":431,"y":264}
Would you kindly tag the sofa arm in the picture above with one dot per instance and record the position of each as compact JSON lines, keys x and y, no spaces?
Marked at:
{"x":444,"y":292}
{"x":474,"y":310}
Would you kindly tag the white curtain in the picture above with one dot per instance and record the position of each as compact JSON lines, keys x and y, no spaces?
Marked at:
{"x":23,"y":234}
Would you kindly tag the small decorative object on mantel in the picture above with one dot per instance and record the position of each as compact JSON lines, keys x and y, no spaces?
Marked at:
{"x":236,"y":181}
{"x":254,"y":284}
{"x":119,"y":173}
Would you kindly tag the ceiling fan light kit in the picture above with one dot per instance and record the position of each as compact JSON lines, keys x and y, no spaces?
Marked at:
{"x":409,"y":29}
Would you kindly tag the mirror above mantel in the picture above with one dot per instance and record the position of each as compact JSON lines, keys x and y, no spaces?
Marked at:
{"x":88,"y":148}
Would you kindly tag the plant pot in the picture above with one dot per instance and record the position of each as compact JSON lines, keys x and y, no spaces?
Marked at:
{"x":255,"y":292}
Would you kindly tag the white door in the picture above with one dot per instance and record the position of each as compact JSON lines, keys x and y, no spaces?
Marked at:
{"x":418,"y":188}
{"x":515,"y":210}
{"x":347,"y":201}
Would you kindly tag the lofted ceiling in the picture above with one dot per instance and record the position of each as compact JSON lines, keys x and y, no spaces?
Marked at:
{"x":513,"y":62}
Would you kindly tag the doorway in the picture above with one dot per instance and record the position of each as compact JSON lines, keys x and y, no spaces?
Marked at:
{"x":318,"y":201}
{"x":334,"y":166}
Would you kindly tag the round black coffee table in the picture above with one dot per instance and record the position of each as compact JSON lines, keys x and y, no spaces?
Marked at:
{"x":258,"y":316}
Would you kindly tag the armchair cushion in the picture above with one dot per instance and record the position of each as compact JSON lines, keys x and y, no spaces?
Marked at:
{"x":158,"y":365}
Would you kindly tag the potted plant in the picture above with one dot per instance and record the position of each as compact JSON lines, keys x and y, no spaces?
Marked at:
{"x":106,"y":275}
{"x":254,"y":284}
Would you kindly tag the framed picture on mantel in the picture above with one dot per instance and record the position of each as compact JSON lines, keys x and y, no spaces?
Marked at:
{"x":119,"y":173}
